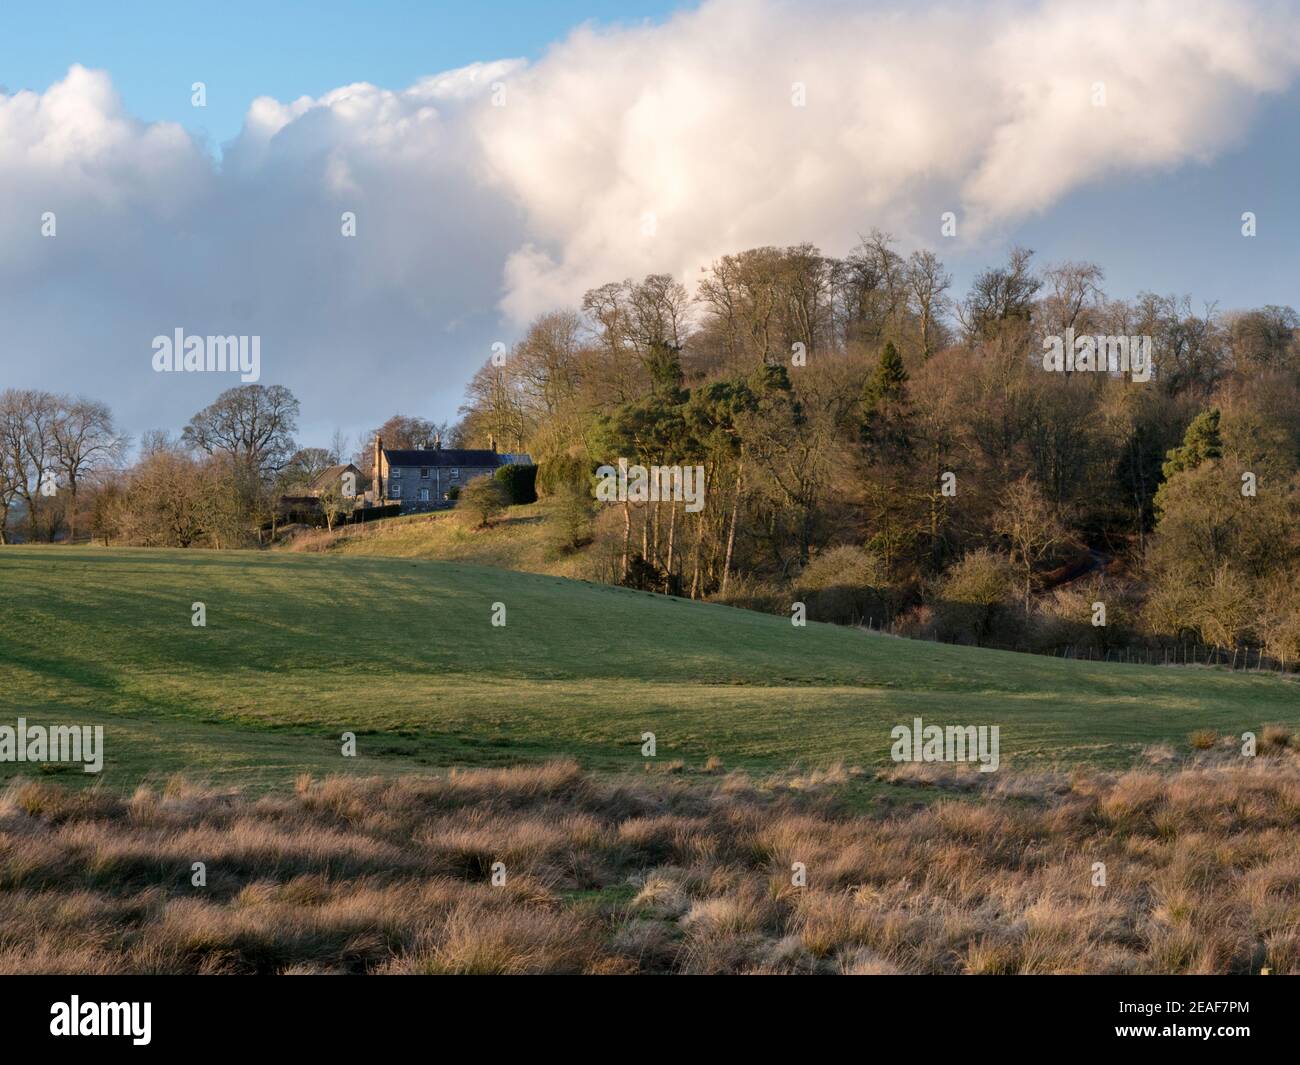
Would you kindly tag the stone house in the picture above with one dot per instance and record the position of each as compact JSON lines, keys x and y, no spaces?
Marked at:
{"x":422,"y":479}
{"x":346,"y":481}
{"x":334,"y":478}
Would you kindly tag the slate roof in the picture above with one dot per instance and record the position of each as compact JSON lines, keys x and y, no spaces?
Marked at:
{"x":327,"y":477}
{"x":447,"y":456}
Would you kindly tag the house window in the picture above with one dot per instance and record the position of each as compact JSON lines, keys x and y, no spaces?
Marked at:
{"x":424,"y":495}
{"x":424,"y":473}
{"x":455,"y":474}
{"x":397,"y":471}
{"x":394,"y":491}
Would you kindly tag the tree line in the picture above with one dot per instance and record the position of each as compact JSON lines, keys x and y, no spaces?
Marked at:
{"x":876,"y":445}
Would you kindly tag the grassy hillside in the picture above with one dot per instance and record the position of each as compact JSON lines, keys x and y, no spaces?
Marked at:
{"x":520,"y":539}
{"x":299,"y":648}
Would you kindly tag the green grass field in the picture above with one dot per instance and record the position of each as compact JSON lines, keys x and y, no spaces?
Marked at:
{"x":300,"y":648}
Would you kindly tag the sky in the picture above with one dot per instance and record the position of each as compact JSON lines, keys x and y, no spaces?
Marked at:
{"x":501,"y":159}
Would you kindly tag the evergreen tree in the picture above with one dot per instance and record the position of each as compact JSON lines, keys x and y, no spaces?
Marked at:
{"x":888,"y":385}
{"x":886,"y":413}
{"x":666,"y":377}
{"x":1200,"y":443}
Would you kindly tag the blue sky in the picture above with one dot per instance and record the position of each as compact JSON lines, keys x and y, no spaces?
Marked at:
{"x":280,"y":48}
{"x":474,"y":218}
{"x":1179,"y":231}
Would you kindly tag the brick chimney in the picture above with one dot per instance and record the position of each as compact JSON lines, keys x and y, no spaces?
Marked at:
{"x":379,"y":470}
{"x":437,"y":441}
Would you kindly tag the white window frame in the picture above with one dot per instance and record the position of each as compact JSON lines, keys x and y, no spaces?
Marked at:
{"x":424,"y":495}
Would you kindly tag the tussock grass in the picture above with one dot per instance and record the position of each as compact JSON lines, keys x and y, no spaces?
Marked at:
{"x":662,"y":873}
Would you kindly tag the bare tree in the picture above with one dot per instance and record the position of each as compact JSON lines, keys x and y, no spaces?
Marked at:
{"x":85,"y":442}
{"x":1000,"y":294}
{"x":743,"y":304}
{"x":405,"y":433}
{"x":334,"y":504}
{"x":338,"y":449}
{"x":253,"y":424}
{"x":547,"y":361}
{"x":871,"y":291}
{"x":306,"y":465}
{"x":495,"y":406}
{"x":9,"y":486}
{"x":928,"y":283}
{"x":1075,"y":295}
{"x":27,"y":436}
{"x":1031,"y":527}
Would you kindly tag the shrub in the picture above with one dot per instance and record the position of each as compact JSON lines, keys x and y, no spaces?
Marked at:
{"x":1064,"y":617}
{"x":1204,"y":739}
{"x":519,"y":481}
{"x":482,"y":500}
{"x":571,"y":518}
{"x":642,"y":574}
{"x":974,"y":596}
{"x":844,"y":585}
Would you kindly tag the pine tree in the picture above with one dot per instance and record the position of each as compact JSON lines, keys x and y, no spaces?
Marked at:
{"x":1200,"y":443}
{"x":889,"y":383}
{"x":886,"y":413}
{"x":666,"y":377}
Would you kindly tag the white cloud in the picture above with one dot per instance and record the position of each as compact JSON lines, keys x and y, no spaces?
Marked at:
{"x":986,"y":111}
{"x":466,"y":209}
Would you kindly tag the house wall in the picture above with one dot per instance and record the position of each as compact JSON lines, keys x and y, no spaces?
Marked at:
{"x":438,"y":481}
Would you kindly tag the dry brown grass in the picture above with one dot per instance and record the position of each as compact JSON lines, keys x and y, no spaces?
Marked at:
{"x":958,"y":873}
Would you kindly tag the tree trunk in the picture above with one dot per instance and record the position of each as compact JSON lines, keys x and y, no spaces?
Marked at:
{"x":672,"y":533}
{"x":627,"y":535}
{"x":699,"y":542}
{"x":654,"y":536}
{"x":72,"y":511}
{"x":731,"y":536}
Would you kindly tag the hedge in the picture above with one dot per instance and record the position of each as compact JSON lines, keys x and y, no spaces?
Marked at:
{"x":520,"y":482}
